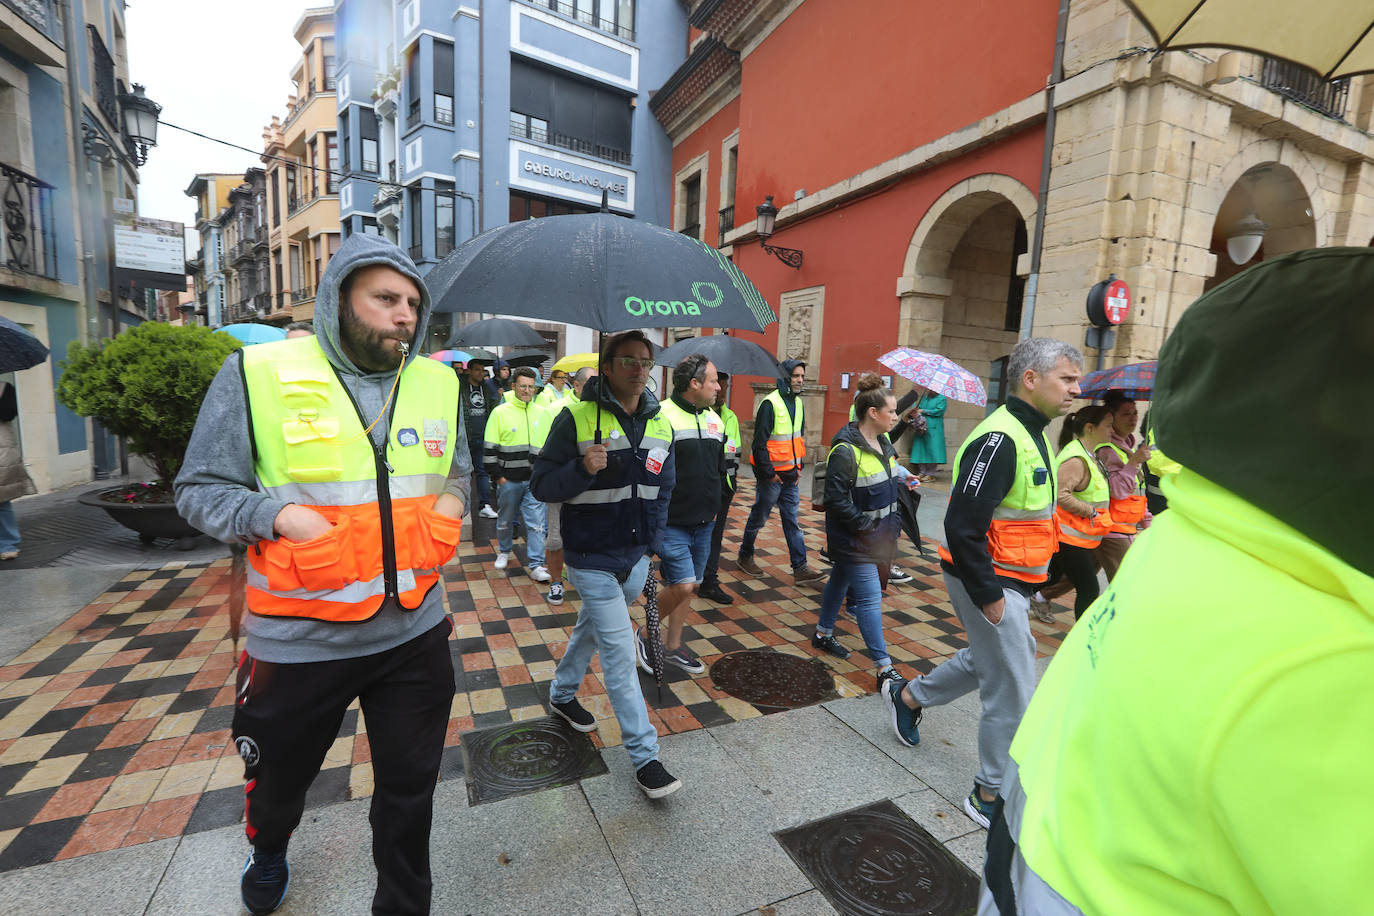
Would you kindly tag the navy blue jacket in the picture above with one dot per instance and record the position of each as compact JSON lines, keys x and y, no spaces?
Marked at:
{"x":610,"y":537}
{"x":851,"y":536}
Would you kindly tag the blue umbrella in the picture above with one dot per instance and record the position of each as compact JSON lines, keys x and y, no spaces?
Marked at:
{"x":18,"y":348}
{"x":1135,"y":381}
{"x":251,"y":333}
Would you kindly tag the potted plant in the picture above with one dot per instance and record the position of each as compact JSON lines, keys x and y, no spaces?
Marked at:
{"x":146,"y":385}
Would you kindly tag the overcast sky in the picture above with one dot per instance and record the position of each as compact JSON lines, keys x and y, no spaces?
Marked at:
{"x":219,"y":68}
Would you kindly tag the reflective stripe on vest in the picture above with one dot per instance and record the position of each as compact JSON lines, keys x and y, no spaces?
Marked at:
{"x":786,"y":447}
{"x":608,"y":486}
{"x":311,"y":450}
{"x":874,"y":494}
{"x":1075,"y":529}
{"x":688,"y":425}
{"x":1022,"y":536}
{"x":1126,"y":511}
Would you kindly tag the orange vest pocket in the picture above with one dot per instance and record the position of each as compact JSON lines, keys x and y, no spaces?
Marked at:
{"x":327,"y":562}
{"x":1027,"y":543}
{"x":443,"y":533}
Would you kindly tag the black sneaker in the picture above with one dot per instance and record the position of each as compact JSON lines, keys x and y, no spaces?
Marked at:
{"x":266,"y":877}
{"x":573,"y":713}
{"x":825,"y":557}
{"x":655,"y":780}
{"x":714,"y":592}
{"x":555,"y":595}
{"x":898,"y":576}
{"x":642,"y":653}
{"x":828,"y":643}
{"x":887,"y":674}
{"x":685,"y":659}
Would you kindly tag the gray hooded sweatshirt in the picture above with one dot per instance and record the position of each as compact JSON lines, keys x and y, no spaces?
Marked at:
{"x":217,"y":488}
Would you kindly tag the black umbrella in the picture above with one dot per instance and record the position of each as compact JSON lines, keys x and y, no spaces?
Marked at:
{"x":600,"y":271}
{"x":18,"y":348}
{"x":496,"y":332}
{"x":731,"y":355}
{"x":531,"y":358}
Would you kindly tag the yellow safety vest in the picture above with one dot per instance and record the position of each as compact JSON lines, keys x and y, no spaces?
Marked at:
{"x":786,"y":447}
{"x":310,"y":448}
{"x":1075,"y":529}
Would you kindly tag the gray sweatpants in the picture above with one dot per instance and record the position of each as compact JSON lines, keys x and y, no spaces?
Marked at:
{"x":999,"y":663}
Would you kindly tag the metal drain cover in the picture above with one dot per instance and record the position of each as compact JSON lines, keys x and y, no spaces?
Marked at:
{"x":524,"y":757}
{"x":767,"y":678}
{"x":875,"y":861}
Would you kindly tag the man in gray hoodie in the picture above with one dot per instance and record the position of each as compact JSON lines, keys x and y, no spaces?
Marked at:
{"x":331,"y":458}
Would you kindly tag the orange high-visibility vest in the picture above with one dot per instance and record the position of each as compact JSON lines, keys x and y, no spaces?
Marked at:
{"x":786,"y":446}
{"x":1126,"y":511}
{"x":310,"y":448}
{"x":1022,"y":536}
{"x":1075,"y":529}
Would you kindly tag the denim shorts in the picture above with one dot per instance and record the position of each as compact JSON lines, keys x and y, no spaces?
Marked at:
{"x":685,"y":552}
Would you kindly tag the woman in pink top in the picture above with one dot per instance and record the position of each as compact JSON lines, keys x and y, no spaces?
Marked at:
{"x":1122,"y":456}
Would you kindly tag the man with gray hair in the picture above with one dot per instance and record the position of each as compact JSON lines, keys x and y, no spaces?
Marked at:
{"x":1000,"y":535}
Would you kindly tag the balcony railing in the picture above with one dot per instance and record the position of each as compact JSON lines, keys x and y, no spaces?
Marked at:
{"x":304,"y":294}
{"x":587,"y":17}
{"x":242,"y":250}
{"x":727,"y":222}
{"x":518,"y":128}
{"x":28,"y":242}
{"x":41,"y":14}
{"x":1306,"y":87}
{"x":370,"y":166}
{"x":262,"y":303}
{"x":104,"y":78}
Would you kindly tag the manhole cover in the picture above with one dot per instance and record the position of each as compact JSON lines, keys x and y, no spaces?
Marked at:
{"x":875,"y":860}
{"x":524,"y":757}
{"x":767,"y":678}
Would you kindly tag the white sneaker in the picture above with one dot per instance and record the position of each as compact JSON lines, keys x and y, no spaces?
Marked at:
{"x":540,"y":574}
{"x":502,"y":560}
{"x":487,"y":511}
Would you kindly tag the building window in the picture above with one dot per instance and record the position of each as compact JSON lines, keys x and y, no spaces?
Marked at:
{"x":413,"y":86}
{"x":330,"y":73}
{"x":691,"y":206}
{"x":343,"y":139}
{"x":276,"y":199}
{"x":614,"y":16}
{"x":997,"y":383}
{"x":417,"y":224}
{"x":569,"y":113}
{"x":528,"y":206}
{"x":443,"y":82}
{"x":1016,"y":286}
{"x":331,"y":145}
{"x":444,"y":238}
{"x":370,"y":227}
{"x":367,"y":131}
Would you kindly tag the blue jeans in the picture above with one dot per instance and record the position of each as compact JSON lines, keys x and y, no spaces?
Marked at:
{"x":865,"y":590}
{"x":604,"y":625}
{"x":770,"y":493}
{"x":516,"y":497}
{"x":685,"y":551}
{"x":9,"y":528}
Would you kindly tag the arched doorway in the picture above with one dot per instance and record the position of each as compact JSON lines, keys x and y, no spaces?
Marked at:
{"x":962,"y":293}
{"x":1270,"y":204}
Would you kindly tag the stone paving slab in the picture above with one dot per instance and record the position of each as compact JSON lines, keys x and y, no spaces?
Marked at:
{"x":120,"y":884}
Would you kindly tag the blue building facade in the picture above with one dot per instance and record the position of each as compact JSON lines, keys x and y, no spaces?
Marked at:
{"x":55,"y":265}
{"x":455,"y":118}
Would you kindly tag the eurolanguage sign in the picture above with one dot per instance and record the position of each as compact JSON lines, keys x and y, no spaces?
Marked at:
{"x":568,"y":177}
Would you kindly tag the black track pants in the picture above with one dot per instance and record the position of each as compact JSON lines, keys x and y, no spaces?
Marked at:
{"x":286,"y":718}
{"x":711,"y":575}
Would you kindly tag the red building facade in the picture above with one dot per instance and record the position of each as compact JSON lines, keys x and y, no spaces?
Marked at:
{"x":903,"y":146}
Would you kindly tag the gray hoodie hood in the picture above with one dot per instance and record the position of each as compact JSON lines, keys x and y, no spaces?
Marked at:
{"x":359,"y":251}
{"x":785,"y":376}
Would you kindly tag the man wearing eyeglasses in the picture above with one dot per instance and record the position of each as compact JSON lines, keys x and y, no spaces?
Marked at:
{"x":555,"y":392}
{"x":610,"y":460}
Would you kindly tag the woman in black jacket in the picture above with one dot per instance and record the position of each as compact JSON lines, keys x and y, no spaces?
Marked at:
{"x":862,"y":522}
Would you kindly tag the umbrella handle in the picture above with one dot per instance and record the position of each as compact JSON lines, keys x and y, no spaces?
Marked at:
{"x":597,"y":440}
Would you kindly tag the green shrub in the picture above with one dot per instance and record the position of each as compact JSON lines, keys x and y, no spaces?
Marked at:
{"x":146,"y":385}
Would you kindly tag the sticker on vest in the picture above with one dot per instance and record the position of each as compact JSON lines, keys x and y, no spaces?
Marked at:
{"x":655,"y":460}
{"x":405,"y":580}
{"x":408,"y":436}
{"x":436,"y":437}
{"x":615,"y":434}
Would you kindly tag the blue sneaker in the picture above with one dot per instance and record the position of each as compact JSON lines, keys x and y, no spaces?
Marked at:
{"x":904,"y":720}
{"x":979,"y":811}
{"x":266,"y":877}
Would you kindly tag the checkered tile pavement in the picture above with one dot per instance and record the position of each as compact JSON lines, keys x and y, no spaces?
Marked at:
{"x":114,"y":728}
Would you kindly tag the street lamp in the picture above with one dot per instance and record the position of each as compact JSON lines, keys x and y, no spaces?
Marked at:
{"x":140,"y":122}
{"x":1244,"y":237}
{"x":767,"y":217}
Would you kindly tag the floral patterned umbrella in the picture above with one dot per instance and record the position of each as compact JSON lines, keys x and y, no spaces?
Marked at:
{"x":652,"y":632}
{"x":935,"y":372}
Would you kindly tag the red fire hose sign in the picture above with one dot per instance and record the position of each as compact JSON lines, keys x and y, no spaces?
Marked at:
{"x":1117,"y":301}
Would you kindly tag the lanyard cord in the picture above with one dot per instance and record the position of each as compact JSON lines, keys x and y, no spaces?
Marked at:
{"x":405,"y":352}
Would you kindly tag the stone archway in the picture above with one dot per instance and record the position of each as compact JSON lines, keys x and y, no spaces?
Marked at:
{"x":1277,"y":196}
{"x":960,"y":291}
